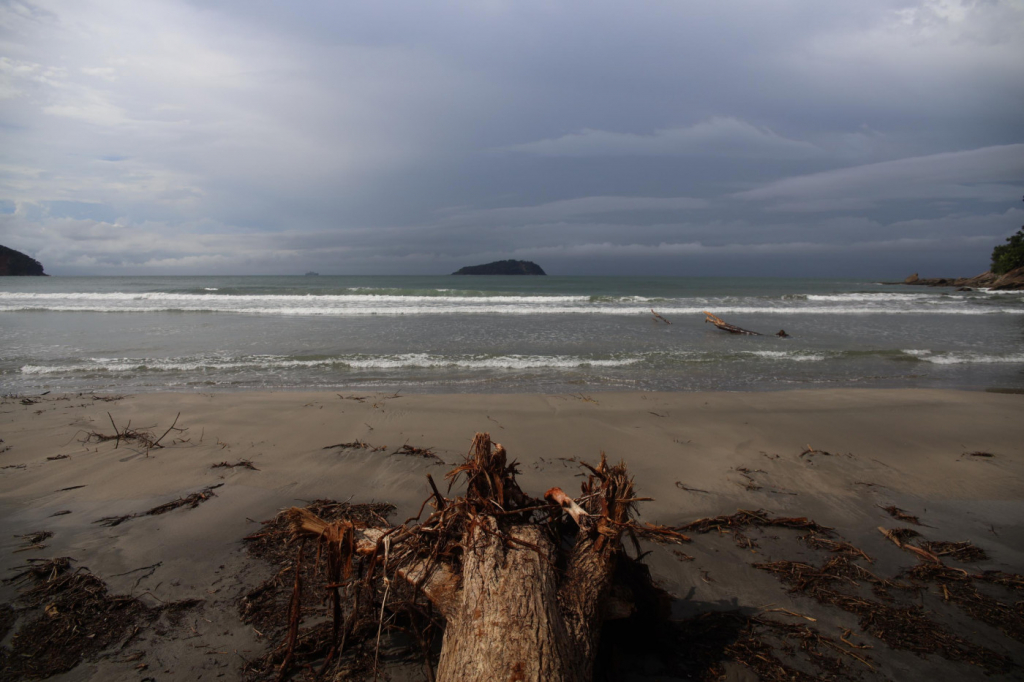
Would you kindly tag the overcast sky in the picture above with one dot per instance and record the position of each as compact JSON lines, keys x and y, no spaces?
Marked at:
{"x":794,"y":137}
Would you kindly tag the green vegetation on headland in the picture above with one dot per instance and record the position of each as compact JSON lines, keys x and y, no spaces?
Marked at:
{"x":15,"y":263}
{"x":1009,"y":256}
{"x":503,"y":267}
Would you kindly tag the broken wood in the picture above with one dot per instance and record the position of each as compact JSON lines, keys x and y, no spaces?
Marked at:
{"x":899,"y":536}
{"x":659,"y":317}
{"x":725,"y":326}
{"x":488,"y":562}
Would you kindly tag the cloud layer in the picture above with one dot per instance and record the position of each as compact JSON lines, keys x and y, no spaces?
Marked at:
{"x":251,"y":137}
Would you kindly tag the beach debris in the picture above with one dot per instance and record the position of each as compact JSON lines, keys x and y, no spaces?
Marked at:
{"x":62,"y":512}
{"x":957,"y":586}
{"x":56,"y":457}
{"x":811,"y":451}
{"x":659,"y":318}
{"x":744,"y":518}
{"x":899,"y":537}
{"x":69,"y":616}
{"x":746,"y":472}
{"x":143,"y":437}
{"x":836,"y":547}
{"x":978,"y":454}
{"x":191,"y":501}
{"x":34,"y":540}
{"x":899,"y":625}
{"x":108,"y":398}
{"x":682,"y":486}
{"x":243,"y":463}
{"x":399,"y":566}
{"x":357,"y":398}
{"x":964,"y":552}
{"x":70,"y":487}
{"x":900,"y":514}
{"x":725,"y":326}
{"x":415,"y":452}
{"x":357,"y":445}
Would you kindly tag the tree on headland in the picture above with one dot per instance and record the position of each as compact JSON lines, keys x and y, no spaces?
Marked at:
{"x":1010,"y":255}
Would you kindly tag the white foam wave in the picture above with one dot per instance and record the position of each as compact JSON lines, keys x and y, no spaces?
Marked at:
{"x":795,"y":356}
{"x":272,"y":363}
{"x":879,"y":297}
{"x":963,"y":357}
{"x":512,"y":309}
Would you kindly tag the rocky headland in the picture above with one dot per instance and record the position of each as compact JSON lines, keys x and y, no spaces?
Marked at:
{"x":503,"y":267}
{"x":17,"y":264}
{"x":1010,"y":281}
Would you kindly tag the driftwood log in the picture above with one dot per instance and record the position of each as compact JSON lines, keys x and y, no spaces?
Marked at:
{"x":725,"y":326}
{"x":523,"y":589}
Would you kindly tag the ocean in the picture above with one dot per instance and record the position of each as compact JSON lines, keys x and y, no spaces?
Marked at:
{"x":448,"y":334}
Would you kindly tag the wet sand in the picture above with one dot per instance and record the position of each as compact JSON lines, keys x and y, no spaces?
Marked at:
{"x":888,"y":447}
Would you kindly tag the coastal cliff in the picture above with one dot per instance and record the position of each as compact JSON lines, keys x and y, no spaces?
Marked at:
{"x":503,"y":267}
{"x":15,"y":263}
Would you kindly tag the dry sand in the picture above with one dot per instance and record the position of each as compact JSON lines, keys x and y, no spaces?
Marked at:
{"x":902,"y":447}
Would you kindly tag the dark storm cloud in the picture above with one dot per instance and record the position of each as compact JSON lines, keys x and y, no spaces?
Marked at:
{"x":258,"y":137}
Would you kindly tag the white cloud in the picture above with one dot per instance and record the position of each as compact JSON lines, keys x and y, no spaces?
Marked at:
{"x":990,"y":174}
{"x":569,"y":208}
{"x":721,"y":136}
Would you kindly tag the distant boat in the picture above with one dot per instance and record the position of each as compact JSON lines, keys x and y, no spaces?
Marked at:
{"x":312,"y":274}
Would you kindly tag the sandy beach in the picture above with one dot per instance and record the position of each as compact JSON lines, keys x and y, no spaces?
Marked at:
{"x":697,"y":454}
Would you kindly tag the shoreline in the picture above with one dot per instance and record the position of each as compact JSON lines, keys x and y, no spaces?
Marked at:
{"x":697,"y":454}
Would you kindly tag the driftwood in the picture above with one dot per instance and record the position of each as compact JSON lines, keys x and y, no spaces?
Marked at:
{"x":658,"y":317}
{"x":522,"y":590}
{"x":725,"y":326}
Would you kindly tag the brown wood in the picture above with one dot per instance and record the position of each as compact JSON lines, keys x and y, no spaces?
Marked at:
{"x":725,"y":326}
{"x":510,"y":613}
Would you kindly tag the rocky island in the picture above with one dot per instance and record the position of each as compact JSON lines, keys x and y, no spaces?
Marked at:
{"x":503,"y":267}
{"x":17,"y":264}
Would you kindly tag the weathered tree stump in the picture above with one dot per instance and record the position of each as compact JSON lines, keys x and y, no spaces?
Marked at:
{"x":523,"y":599}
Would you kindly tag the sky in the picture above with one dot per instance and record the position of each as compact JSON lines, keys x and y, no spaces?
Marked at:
{"x":787,"y":138}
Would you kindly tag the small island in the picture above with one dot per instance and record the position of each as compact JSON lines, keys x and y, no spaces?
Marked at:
{"x":503,"y":267}
{"x":17,"y":264}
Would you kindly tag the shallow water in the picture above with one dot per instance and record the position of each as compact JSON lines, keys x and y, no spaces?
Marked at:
{"x":499,"y":334}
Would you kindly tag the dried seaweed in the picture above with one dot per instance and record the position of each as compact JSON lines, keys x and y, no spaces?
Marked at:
{"x":417,"y":452}
{"x":243,"y":463}
{"x":34,"y":540}
{"x":957,"y":586}
{"x":191,"y":501}
{"x":70,"y":616}
{"x":901,"y":515}
{"x":964,"y":552}
{"x":744,"y":518}
{"x":900,"y":626}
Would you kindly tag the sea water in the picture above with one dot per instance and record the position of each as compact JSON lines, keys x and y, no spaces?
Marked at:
{"x":499,"y":334}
